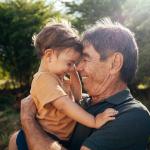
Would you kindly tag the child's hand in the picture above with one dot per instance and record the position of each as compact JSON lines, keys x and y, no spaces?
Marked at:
{"x":75,"y":83}
{"x":73,"y":69}
{"x":107,"y":115}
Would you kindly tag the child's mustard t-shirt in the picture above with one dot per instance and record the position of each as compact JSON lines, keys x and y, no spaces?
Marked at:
{"x":46,"y":88}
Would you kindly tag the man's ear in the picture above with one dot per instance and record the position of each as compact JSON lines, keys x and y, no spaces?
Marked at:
{"x":117,"y":63}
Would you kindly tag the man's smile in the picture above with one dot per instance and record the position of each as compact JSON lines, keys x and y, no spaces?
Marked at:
{"x":84,"y":77}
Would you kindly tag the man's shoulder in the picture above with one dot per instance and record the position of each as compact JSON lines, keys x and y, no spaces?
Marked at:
{"x":133,"y":117}
{"x":133,"y":106}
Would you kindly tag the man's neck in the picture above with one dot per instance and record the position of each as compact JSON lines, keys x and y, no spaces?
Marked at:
{"x":111,"y":90}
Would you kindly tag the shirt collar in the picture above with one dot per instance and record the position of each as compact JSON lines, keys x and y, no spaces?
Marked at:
{"x":120,"y":97}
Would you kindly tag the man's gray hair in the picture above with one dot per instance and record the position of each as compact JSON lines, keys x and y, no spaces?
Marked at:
{"x":107,"y":36}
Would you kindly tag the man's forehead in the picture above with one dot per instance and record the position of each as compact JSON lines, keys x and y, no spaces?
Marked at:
{"x":89,"y":51}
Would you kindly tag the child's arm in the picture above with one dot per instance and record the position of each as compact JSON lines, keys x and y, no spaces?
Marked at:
{"x":74,"y":111}
{"x":75,"y":83}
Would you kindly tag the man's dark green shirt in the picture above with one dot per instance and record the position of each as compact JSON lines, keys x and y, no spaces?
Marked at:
{"x":129,"y":131}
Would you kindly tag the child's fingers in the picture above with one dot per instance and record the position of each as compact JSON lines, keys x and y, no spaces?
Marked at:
{"x":110,"y":114}
{"x":110,"y":118}
{"x":111,"y":111}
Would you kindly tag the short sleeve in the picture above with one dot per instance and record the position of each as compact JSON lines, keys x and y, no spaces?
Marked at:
{"x":128,"y":130}
{"x":46,"y":88}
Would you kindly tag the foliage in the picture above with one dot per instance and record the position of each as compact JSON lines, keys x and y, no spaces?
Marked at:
{"x":88,"y":12}
{"x":137,"y":16}
{"x":19,"y":20}
{"x":6,"y":100}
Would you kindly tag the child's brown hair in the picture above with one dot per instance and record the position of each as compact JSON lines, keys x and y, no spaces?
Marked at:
{"x":57,"y":36}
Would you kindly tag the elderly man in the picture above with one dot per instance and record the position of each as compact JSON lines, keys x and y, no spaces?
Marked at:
{"x":108,"y":65}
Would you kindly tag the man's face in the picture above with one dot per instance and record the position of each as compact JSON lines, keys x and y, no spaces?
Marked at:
{"x":93,"y":70}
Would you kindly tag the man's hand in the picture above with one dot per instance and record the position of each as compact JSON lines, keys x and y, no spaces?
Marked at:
{"x":28,"y":109}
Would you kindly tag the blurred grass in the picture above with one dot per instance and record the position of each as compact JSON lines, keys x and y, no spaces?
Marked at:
{"x":9,"y":122}
{"x":9,"y":117}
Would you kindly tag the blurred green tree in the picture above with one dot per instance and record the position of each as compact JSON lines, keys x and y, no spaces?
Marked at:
{"x":19,"y":20}
{"x":87,"y":12}
{"x":137,"y":16}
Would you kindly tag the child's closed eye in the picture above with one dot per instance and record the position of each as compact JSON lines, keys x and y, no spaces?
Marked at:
{"x":70,"y":64}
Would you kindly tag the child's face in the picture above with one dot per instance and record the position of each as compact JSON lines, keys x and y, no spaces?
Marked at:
{"x":63,"y":62}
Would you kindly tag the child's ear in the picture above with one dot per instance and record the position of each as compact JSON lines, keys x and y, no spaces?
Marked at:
{"x":117,"y":62}
{"x":48,"y":54}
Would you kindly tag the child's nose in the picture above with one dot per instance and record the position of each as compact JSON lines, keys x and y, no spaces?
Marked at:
{"x":71,"y":68}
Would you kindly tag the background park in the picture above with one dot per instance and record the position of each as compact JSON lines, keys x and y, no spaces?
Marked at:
{"x":20,"y":19}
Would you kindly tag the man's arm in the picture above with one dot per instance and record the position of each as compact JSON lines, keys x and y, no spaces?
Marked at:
{"x":36,"y":138}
